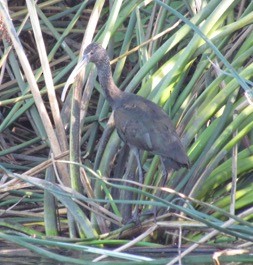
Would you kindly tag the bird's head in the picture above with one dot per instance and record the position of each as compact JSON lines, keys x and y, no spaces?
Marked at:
{"x":93,"y":53}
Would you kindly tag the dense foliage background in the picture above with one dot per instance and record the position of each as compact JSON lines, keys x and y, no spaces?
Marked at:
{"x":64,"y":170}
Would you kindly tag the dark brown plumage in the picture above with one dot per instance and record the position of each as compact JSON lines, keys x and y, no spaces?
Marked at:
{"x":139,"y":122}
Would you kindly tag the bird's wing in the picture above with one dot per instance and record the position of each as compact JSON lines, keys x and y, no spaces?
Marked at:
{"x":145,"y":125}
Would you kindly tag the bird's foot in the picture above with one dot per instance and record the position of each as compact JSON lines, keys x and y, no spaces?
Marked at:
{"x":154,"y":211}
{"x":135,"y":217}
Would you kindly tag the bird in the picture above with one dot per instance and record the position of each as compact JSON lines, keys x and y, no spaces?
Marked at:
{"x":140,"y":123}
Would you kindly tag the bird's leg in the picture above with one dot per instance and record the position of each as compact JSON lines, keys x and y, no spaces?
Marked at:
{"x":125,"y":209}
{"x":163,"y":182}
{"x":164,"y":173}
{"x":138,"y":159}
{"x":141,"y":178}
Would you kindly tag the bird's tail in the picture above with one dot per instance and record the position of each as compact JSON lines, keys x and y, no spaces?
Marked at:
{"x":176,"y":165}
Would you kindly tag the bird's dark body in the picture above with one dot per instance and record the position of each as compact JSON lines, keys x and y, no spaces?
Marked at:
{"x":139,"y":122}
{"x":143,"y":124}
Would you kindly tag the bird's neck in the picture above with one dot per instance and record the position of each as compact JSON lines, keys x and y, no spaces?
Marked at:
{"x":112,"y":93}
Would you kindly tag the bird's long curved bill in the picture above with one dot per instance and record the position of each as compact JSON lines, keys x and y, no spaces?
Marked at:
{"x":72,"y":77}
